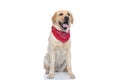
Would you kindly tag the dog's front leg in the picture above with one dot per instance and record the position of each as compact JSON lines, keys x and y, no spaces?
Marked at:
{"x":52,"y":62}
{"x":69,"y":69}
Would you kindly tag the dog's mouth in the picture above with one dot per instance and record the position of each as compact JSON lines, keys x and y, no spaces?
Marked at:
{"x":64,"y":25}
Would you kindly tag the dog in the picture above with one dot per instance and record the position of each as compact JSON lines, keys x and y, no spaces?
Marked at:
{"x":58,"y":57}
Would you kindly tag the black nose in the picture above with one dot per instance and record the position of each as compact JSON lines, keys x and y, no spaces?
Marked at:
{"x":66,"y":18}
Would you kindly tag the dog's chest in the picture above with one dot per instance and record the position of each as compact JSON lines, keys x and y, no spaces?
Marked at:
{"x":60,"y":55}
{"x":60,"y":49}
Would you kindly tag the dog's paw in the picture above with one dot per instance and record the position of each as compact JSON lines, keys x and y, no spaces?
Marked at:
{"x":51,"y":76}
{"x":72,"y":76}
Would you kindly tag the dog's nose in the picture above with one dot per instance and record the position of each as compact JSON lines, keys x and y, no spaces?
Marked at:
{"x":66,"y":18}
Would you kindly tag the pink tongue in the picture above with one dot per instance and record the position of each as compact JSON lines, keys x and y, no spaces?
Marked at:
{"x":65,"y":25}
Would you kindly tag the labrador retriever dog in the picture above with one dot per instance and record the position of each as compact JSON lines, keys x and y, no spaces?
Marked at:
{"x":58,"y":57}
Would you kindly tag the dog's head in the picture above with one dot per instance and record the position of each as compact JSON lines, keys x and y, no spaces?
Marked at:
{"x":63,"y":19}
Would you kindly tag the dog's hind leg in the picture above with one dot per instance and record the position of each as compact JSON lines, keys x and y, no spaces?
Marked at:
{"x":46,"y":64}
{"x":46,"y":69}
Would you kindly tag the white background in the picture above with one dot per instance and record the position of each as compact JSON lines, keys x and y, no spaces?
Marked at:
{"x":25,"y":26}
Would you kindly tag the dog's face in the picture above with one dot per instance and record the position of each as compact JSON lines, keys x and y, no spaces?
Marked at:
{"x":63,"y":19}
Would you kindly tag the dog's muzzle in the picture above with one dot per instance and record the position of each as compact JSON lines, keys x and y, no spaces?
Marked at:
{"x":65,"y":24}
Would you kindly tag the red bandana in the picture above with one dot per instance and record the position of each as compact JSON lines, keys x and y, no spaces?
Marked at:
{"x":60,"y":35}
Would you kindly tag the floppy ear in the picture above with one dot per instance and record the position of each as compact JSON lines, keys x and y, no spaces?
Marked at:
{"x":72,"y":19}
{"x":53,"y":18}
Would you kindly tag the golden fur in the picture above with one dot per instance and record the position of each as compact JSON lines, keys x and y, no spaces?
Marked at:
{"x":58,"y":57}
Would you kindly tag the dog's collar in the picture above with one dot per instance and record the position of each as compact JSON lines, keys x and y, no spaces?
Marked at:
{"x":60,"y":35}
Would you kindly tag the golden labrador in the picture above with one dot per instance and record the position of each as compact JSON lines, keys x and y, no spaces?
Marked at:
{"x":58,"y":57}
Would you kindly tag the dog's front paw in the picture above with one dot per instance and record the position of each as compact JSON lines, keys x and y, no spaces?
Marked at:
{"x":72,"y":76}
{"x":51,"y":75}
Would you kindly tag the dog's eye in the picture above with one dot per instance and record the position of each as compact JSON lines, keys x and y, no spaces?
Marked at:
{"x":60,"y":14}
{"x":68,"y":14}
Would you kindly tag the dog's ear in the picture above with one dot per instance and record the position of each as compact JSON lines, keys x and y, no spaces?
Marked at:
{"x":72,"y":19}
{"x":54,"y":18}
